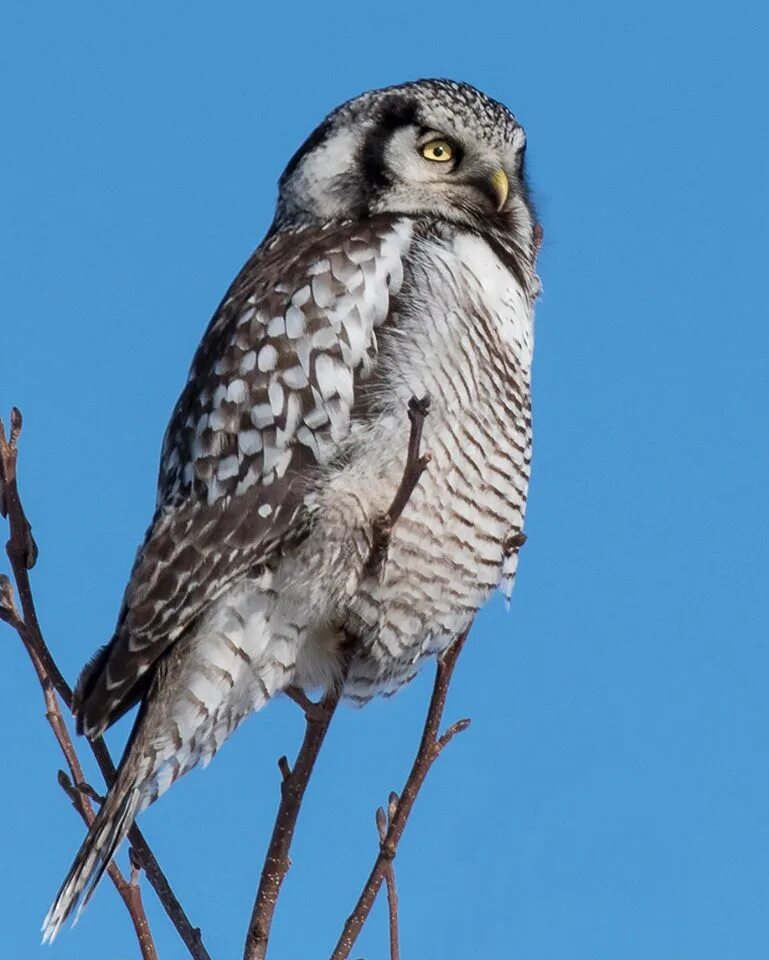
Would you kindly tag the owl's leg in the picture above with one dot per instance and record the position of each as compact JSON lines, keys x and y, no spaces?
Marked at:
{"x":232,"y":662}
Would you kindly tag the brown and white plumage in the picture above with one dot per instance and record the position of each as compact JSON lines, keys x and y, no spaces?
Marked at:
{"x":384,"y":276}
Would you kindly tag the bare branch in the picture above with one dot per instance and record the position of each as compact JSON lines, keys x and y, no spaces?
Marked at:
{"x":392,"y":909}
{"x":414,"y":467}
{"x":135,"y":900}
{"x":22,"y":553}
{"x":318,"y":715}
{"x":308,"y":706}
{"x":430,"y":748}
{"x":191,"y":936}
{"x":415,"y":464}
{"x":294,"y":783}
{"x":128,"y":890}
{"x":382,"y":823}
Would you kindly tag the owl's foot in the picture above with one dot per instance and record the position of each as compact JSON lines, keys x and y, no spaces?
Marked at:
{"x":513,"y":542}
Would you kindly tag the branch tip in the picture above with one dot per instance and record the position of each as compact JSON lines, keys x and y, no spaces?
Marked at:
{"x":451,"y":731}
{"x":277,"y":861}
{"x":16,"y":425}
{"x":285,"y":769}
{"x":413,"y":469}
{"x":8,"y":611}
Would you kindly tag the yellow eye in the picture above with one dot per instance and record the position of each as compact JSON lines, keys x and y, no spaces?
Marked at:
{"x":440,"y":150}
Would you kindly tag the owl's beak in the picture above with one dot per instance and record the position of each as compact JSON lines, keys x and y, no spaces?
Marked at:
{"x":501,"y":187}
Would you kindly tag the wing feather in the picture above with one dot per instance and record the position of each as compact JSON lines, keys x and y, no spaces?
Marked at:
{"x":269,"y":397}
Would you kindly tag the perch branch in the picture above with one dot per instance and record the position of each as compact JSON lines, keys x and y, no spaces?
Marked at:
{"x":22,"y":553}
{"x":318,"y":716}
{"x":293,"y":785}
{"x":430,"y":747}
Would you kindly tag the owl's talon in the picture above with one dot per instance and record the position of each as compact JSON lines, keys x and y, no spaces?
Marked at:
{"x":513,"y":542}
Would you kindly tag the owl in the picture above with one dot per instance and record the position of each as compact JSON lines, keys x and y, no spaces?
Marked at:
{"x":400,"y":264}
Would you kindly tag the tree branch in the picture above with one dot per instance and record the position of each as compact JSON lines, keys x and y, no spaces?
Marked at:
{"x":414,"y":467}
{"x":22,"y":553}
{"x":429,"y":750}
{"x":383,"y":821}
{"x":79,"y":799}
{"x":128,"y":889}
{"x":318,"y":715}
{"x":294,"y":782}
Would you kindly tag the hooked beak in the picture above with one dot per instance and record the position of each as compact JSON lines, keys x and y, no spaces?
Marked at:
{"x":501,"y":187}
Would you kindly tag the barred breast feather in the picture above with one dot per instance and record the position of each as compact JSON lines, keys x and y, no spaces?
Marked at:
{"x":463,"y":336}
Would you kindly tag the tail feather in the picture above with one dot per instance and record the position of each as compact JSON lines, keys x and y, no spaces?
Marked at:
{"x":112,"y":823}
{"x":199,"y":693}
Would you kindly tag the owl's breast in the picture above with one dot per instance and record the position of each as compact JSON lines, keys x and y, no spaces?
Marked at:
{"x":465,"y":338}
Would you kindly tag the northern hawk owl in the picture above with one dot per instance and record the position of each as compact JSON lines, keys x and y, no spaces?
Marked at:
{"x":400,"y":264}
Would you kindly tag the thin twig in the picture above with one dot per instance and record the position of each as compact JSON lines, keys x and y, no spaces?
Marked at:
{"x":392,"y":908}
{"x":413,"y":469}
{"x":415,"y":464}
{"x":430,"y":748}
{"x":135,"y":894}
{"x":382,"y":822}
{"x":22,"y":553}
{"x":293,"y":785}
{"x":191,"y":936}
{"x":127,"y":889}
{"x":307,"y":705}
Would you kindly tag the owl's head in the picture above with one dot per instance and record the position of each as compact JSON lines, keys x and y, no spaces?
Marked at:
{"x":432,"y":147}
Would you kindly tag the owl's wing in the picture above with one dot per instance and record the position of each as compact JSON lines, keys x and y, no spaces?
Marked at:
{"x":269,"y":397}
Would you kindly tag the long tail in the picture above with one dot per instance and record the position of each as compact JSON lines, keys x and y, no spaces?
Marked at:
{"x":199,"y":694}
{"x":112,"y":823}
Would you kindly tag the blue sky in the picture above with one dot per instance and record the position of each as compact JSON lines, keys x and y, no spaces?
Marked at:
{"x":612,"y":796}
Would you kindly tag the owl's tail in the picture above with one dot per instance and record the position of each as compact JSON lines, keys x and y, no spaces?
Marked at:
{"x":111,"y":824}
{"x":200,"y":692}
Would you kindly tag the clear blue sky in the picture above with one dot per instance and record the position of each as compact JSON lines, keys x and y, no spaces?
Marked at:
{"x":611,"y":799}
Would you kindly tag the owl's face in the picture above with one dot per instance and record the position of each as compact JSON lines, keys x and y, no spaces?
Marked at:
{"x":433,"y":147}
